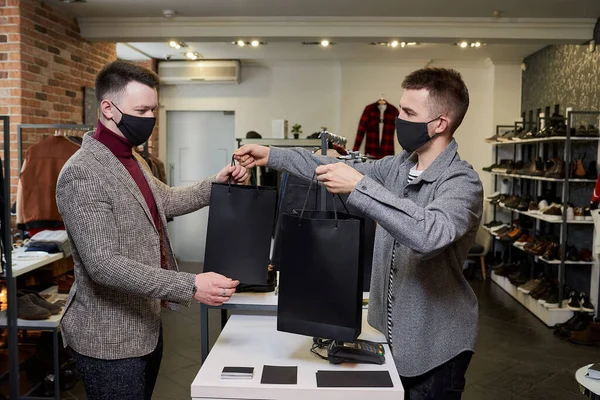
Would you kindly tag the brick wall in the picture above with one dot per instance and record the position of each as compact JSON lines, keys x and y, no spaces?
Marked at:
{"x":10,"y":71}
{"x":44,"y":63}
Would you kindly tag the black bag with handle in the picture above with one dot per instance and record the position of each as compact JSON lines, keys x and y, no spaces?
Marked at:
{"x":320,"y":283}
{"x":240,"y":226}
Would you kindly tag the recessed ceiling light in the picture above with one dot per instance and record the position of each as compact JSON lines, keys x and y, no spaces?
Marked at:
{"x":255,"y":43}
{"x":403,"y":44}
{"x":324,"y":43}
{"x":411,"y":43}
{"x":394,"y":44}
{"x":241,"y":43}
{"x":465,"y":44}
{"x":177,"y":45}
{"x":320,"y":43}
{"x":192,"y":55}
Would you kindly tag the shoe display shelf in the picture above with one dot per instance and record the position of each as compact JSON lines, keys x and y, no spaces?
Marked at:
{"x":542,"y":217}
{"x":45,"y":324}
{"x":546,"y":140}
{"x":552,"y":262}
{"x":549,"y":316}
{"x":542,"y":178}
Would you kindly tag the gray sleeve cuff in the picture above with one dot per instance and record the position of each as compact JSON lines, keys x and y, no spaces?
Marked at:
{"x":276,"y":158}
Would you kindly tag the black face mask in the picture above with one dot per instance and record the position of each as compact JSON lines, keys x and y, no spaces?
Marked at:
{"x":412,"y":135}
{"x":137,"y":130}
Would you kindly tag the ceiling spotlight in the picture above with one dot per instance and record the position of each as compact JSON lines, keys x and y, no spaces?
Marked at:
{"x":403,"y":44}
{"x":192,"y":55}
{"x":463,"y":44}
{"x":241,"y":43}
{"x":255,"y":43}
{"x":394,"y":44}
{"x":324,"y":43}
{"x":177,"y":45}
{"x":169,"y":13}
{"x":411,"y":43}
{"x":477,"y":44}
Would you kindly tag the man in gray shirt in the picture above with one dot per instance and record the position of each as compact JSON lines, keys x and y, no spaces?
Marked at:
{"x":428,"y":204}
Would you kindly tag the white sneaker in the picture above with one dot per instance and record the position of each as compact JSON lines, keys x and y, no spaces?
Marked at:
{"x":570,"y":214}
{"x":491,"y":196}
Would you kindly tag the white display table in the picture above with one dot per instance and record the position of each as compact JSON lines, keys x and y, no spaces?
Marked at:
{"x":245,"y":302}
{"x":253,"y":341}
{"x":588,"y":386}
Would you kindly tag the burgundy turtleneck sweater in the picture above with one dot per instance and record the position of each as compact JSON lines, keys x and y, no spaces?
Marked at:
{"x":122,"y":149}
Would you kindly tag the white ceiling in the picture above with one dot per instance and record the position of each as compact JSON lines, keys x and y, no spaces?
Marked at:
{"x":341,"y":8}
{"x":359,"y":51}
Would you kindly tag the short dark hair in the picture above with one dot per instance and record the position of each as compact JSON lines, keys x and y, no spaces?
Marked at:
{"x":447,"y":92}
{"x":114,"y":77}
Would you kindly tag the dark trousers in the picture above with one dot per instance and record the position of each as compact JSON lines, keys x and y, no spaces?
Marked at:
{"x":126,"y":379}
{"x":446,"y":382}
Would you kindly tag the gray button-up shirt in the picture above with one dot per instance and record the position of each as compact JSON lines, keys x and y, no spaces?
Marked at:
{"x":434,"y":221}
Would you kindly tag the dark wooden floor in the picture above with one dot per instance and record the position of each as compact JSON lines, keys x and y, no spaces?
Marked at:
{"x":517,"y":357}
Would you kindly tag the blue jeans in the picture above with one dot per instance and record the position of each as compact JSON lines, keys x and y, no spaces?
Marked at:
{"x":446,"y":382}
{"x":125,"y":379}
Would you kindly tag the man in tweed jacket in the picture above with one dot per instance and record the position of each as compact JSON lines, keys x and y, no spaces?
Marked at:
{"x":428,"y":204}
{"x":115,"y":213}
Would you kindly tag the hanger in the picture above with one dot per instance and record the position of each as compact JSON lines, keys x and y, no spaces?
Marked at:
{"x":381,"y":100}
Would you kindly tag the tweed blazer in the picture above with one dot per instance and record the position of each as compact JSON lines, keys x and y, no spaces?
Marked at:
{"x":113,"y":309}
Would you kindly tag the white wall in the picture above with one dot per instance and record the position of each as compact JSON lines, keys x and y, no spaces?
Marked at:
{"x":334,"y":95}
{"x":301,"y":93}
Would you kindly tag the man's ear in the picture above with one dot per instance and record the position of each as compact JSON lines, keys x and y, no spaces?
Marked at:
{"x":106,"y":109}
{"x":441,"y":124}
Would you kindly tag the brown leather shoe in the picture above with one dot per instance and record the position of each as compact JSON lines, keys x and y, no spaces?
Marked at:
{"x":553,"y":213}
{"x":552,"y":252}
{"x":539,"y":249}
{"x":557,"y":171}
{"x":579,"y":169}
{"x":589,"y":336}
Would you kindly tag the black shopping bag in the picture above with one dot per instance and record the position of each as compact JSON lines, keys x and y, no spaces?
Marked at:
{"x":320,"y":283}
{"x":240,"y":226}
{"x":293,"y":194}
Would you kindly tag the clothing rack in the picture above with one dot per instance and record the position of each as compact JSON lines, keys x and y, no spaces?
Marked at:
{"x":12,"y":323}
{"x":71,"y":127}
{"x":11,"y":283}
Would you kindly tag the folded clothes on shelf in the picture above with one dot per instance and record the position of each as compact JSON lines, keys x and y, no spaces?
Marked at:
{"x":51,"y":242}
{"x":47,"y":247}
{"x":54,"y":237}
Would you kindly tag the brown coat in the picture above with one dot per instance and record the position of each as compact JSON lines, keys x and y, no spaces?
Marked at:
{"x":36,"y":194}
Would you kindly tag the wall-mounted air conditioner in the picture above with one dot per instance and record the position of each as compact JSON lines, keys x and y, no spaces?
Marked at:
{"x":205,"y":71}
